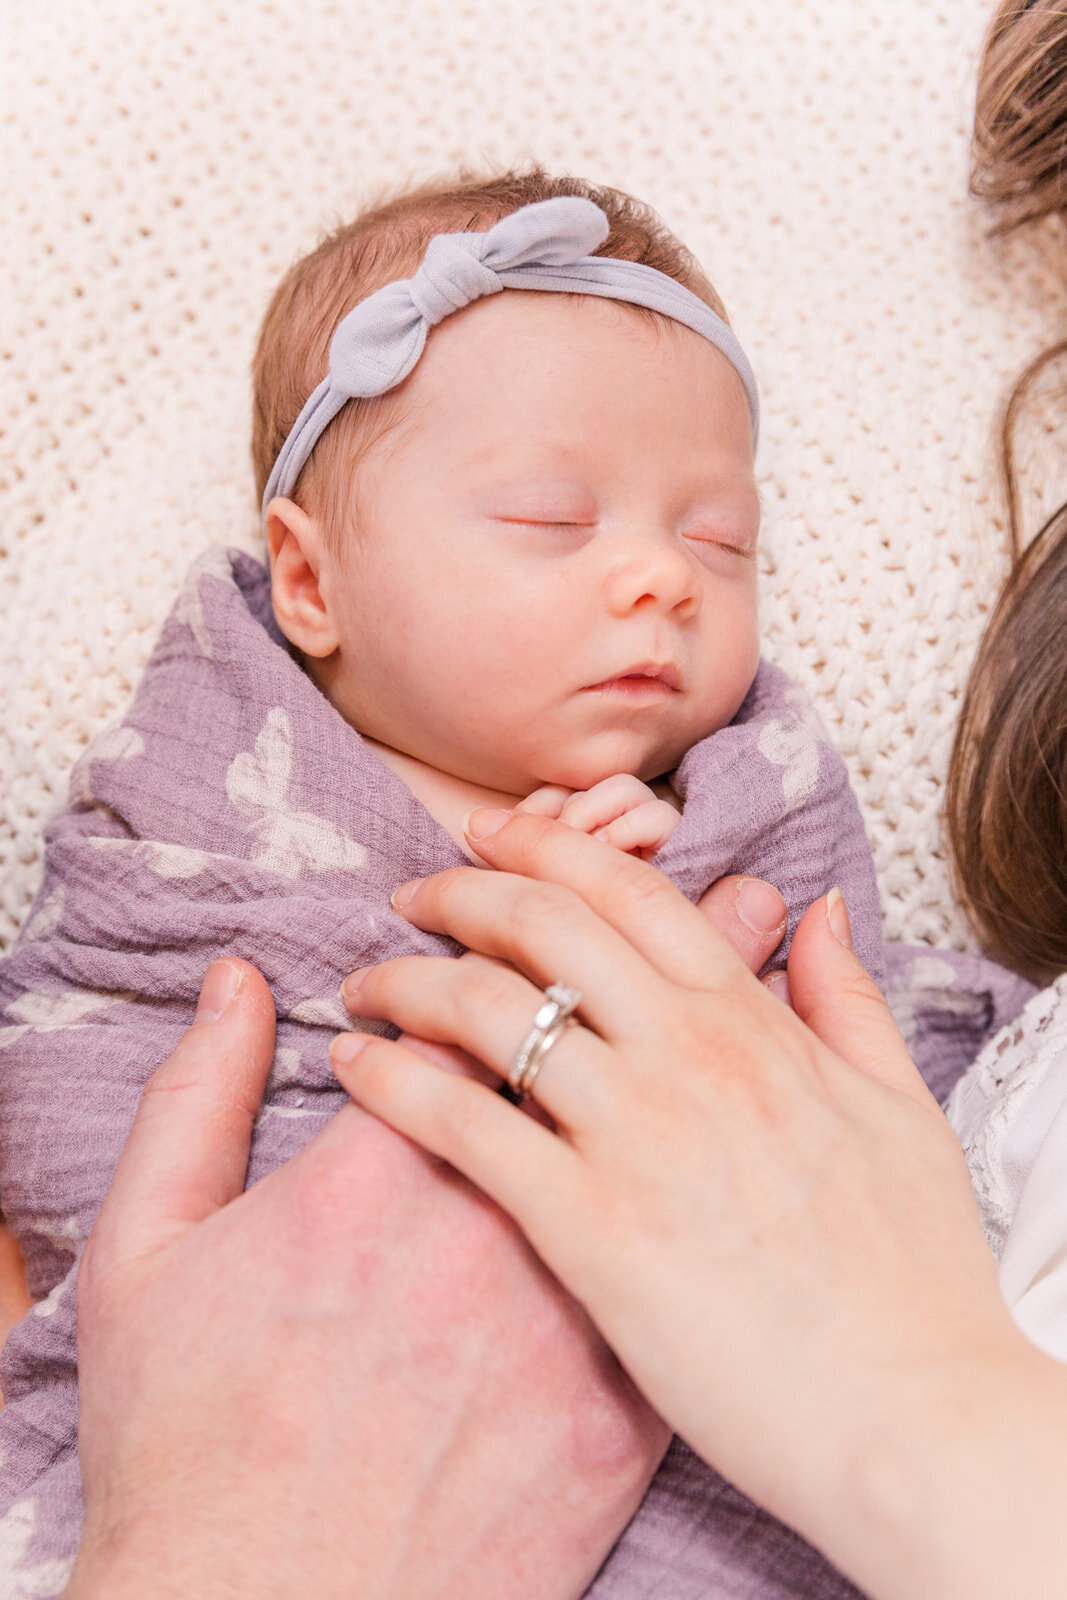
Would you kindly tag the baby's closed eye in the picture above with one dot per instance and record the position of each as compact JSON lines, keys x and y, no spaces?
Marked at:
{"x":543,"y":505}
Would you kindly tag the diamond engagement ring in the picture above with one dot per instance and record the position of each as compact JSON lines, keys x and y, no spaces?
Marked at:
{"x":553,"y":1017}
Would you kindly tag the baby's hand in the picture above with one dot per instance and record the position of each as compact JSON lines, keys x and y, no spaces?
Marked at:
{"x":622,"y":810}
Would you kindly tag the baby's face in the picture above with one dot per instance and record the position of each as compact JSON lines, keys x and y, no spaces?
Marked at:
{"x":553,"y":578}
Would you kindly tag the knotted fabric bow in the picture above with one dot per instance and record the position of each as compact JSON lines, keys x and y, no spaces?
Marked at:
{"x":547,"y":245}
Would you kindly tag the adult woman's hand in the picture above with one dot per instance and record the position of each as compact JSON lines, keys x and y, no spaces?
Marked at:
{"x":772,"y":1223}
{"x":355,"y":1378}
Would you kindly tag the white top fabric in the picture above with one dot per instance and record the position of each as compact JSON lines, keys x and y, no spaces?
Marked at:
{"x":1010,"y":1112}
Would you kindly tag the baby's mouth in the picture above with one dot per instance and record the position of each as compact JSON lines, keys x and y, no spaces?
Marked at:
{"x":647,"y":680}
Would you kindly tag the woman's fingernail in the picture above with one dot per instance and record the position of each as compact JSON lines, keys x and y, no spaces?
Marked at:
{"x":406,"y":893}
{"x":778,"y":984}
{"x":837,"y":917}
{"x":221,"y":982}
{"x":481,"y":823}
{"x":352,"y":985}
{"x":347,"y":1046}
{"x":760,"y":907}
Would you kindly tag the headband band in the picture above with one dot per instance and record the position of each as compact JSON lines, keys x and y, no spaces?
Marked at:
{"x":547,"y":245}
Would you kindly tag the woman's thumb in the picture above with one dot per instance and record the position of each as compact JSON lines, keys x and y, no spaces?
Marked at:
{"x":833,"y":993}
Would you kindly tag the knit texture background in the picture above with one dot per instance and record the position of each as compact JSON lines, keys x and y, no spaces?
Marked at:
{"x":164,"y":163}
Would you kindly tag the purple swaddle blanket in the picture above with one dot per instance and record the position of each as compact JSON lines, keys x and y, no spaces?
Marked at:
{"x":234,"y":810}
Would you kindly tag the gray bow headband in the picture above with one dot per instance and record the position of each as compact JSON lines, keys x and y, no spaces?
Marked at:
{"x":547,"y":245}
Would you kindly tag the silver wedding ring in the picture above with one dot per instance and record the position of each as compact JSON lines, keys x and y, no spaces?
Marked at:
{"x":552,"y":1019}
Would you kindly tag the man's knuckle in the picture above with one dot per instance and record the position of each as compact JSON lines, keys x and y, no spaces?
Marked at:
{"x":612,"y":1440}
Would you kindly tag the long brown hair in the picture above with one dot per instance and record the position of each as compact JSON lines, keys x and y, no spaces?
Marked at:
{"x":1006,"y":806}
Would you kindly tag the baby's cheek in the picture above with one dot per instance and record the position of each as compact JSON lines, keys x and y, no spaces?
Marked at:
{"x":732,"y":641}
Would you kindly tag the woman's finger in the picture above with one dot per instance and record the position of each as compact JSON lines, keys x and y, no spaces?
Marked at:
{"x":648,"y":914}
{"x":833,"y":993}
{"x":450,"y":1059}
{"x":749,"y":913}
{"x":546,"y":932}
{"x":487,"y":1010}
{"x":528,"y":1170}
{"x":187,"y":1153}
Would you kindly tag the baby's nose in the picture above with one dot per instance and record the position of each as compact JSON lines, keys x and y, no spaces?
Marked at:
{"x":653,"y":573}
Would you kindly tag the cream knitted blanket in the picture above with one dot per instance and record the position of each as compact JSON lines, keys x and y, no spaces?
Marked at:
{"x":163,"y":164}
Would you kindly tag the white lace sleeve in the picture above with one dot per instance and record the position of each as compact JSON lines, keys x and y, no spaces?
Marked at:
{"x":1010,"y":1113}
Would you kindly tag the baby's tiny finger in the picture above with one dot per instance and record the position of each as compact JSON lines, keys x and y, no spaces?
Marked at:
{"x":590,"y":809}
{"x":647,"y":827}
{"x":545,"y":802}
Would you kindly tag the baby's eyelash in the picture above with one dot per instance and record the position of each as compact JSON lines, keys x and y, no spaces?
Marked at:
{"x":721,"y":544}
{"x":540,"y":522}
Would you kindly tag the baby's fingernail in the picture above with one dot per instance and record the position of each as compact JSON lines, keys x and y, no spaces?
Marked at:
{"x":481,"y":823}
{"x":221,"y":982}
{"x":837,"y":917}
{"x":760,"y":907}
{"x":778,"y":984}
{"x":352,"y":985}
{"x":406,"y":893}
{"x":347,"y":1046}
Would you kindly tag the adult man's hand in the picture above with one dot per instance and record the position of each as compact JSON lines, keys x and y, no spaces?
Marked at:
{"x":355,"y":1378}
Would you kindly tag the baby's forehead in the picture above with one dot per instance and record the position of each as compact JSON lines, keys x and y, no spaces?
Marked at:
{"x":554,"y":413}
{"x":520,"y":340}
{"x":555,"y":315}
{"x":555,"y":359}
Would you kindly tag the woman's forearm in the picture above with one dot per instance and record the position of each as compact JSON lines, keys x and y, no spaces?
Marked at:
{"x":960,"y":1494}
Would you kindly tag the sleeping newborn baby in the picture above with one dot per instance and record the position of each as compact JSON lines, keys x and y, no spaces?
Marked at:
{"x":512,"y":538}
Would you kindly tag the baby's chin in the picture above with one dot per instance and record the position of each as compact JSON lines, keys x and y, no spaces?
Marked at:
{"x":584,"y":769}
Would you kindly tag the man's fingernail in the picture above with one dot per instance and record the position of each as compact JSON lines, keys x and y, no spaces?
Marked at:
{"x":837,"y":917}
{"x":221,"y":982}
{"x":481,"y":823}
{"x":760,"y":907}
{"x":778,"y":984}
{"x":346,"y":1047}
{"x":352,"y":985}
{"x":406,"y":893}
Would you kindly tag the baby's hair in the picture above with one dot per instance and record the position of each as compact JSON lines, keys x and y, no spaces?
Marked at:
{"x":1006,"y":804}
{"x":382,"y":244}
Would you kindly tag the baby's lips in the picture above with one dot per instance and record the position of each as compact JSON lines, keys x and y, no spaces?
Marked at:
{"x":664,"y":672}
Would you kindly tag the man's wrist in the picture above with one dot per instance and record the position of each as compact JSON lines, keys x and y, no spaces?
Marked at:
{"x":160,"y":1557}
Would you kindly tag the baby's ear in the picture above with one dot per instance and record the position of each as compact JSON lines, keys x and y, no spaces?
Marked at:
{"x":297,"y":548}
